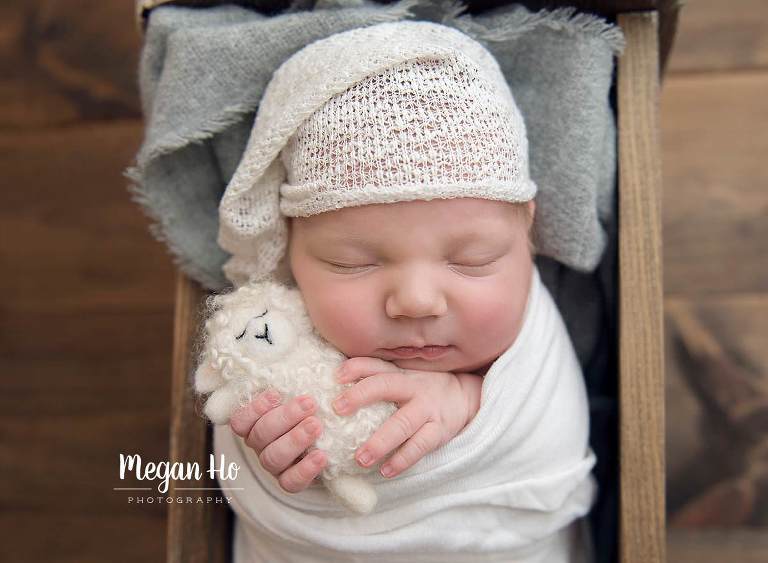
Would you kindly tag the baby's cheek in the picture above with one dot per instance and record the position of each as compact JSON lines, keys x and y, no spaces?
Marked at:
{"x":488,"y":317}
{"x":494,"y":318}
{"x":345,"y":320}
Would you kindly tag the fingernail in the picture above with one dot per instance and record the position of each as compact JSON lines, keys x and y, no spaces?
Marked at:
{"x":306,"y":404}
{"x":365,"y":457}
{"x":340,"y":373}
{"x":311,"y":427}
{"x":387,"y":470}
{"x":340,"y":404}
{"x":273,"y":397}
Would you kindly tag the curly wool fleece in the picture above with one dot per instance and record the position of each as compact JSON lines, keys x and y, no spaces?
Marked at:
{"x":260,"y":336}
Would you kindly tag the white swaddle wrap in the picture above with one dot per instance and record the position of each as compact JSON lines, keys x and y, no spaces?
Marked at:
{"x":509,"y":487}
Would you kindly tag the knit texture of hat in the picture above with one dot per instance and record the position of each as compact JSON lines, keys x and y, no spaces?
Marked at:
{"x":392,"y":112}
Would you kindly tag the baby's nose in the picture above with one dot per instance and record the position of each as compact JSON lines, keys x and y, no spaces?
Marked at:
{"x":416,"y":298}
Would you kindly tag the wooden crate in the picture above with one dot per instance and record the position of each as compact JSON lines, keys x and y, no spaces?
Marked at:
{"x":200,"y":533}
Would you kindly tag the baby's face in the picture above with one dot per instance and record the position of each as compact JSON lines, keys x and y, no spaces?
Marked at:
{"x":451,"y":275}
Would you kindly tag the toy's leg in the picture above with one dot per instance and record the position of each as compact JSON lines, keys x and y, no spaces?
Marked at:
{"x":220,"y":405}
{"x":354,"y":492}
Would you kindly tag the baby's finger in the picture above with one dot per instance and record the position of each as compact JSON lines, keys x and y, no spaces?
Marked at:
{"x":427,"y":439}
{"x":282,"y":453}
{"x":243,"y":419}
{"x":278,"y":421}
{"x":395,"y":387}
{"x":300,"y":476}
{"x":404,"y":424}
{"x":359,"y":367}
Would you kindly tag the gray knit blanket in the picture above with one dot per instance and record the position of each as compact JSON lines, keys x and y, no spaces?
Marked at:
{"x":203,"y":71}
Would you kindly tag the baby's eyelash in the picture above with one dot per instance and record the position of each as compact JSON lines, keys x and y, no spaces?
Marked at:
{"x":349,"y":266}
{"x":354,"y":268}
{"x":476,"y":265}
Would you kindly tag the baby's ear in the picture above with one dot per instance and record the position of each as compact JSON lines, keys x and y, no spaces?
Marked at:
{"x":531,"y":209}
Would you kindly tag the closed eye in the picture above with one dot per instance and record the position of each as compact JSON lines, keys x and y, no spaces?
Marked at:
{"x":475,"y":265}
{"x":239,"y":336}
{"x":474,"y":269}
{"x":350,"y":267}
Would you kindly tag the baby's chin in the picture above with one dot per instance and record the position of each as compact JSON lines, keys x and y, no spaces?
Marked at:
{"x":420,"y":364}
{"x":446,"y":364}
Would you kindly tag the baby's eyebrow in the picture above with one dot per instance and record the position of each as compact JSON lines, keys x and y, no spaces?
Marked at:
{"x":469,"y":237}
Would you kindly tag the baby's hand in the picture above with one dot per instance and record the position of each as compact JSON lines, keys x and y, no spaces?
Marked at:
{"x":279,"y":434}
{"x":434,"y":407}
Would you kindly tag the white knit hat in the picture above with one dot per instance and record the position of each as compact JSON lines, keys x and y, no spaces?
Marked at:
{"x":392,"y":112}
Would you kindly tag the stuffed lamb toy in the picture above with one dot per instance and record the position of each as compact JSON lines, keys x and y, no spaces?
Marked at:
{"x":260,"y":336}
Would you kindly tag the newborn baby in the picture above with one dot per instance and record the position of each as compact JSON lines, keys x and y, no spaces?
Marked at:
{"x":387,"y":177}
{"x":423,"y":305}
{"x":438,"y":286}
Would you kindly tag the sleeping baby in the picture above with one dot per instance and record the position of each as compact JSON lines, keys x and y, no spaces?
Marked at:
{"x":396,"y":197}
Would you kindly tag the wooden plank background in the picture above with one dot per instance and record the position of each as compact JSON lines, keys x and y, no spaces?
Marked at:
{"x":713,"y":114}
{"x":86,"y":293}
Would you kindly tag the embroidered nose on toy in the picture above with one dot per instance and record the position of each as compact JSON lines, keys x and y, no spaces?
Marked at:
{"x":264,"y":332}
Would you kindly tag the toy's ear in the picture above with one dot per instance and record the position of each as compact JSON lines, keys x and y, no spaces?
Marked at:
{"x":207,"y":379}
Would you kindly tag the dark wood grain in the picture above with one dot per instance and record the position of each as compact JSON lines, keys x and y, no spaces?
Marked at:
{"x":712,"y":37}
{"x":65,"y":62}
{"x":70,"y":238}
{"x":45,"y":534}
{"x":719,"y":448}
{"x":715,"y":201}
{"x":737,"y":545}
{"x":86,"y":299}
{"x":77,"y":391}
{"x":197,"y":533}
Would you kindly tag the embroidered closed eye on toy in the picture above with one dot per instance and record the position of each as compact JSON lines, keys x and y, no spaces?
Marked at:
{"x":260,"y":336}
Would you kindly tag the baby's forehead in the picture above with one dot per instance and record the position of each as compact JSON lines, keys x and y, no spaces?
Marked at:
{"x":419,"y":211}
{"x":458,"y":219}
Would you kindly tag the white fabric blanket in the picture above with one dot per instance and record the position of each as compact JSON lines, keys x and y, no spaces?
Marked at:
{"x":510,"y":487}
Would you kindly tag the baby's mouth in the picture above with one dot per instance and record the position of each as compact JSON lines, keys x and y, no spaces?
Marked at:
{"x":426,"y":352}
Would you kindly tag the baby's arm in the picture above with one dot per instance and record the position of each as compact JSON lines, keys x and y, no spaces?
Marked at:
{"x":473,"y":386}
{"x":434,"y":407}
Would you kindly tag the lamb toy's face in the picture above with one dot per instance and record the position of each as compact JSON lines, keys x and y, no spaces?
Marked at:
{"x":260,"y":334}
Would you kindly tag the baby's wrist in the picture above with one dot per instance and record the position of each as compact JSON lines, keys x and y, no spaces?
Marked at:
{"x":472,"y":386}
